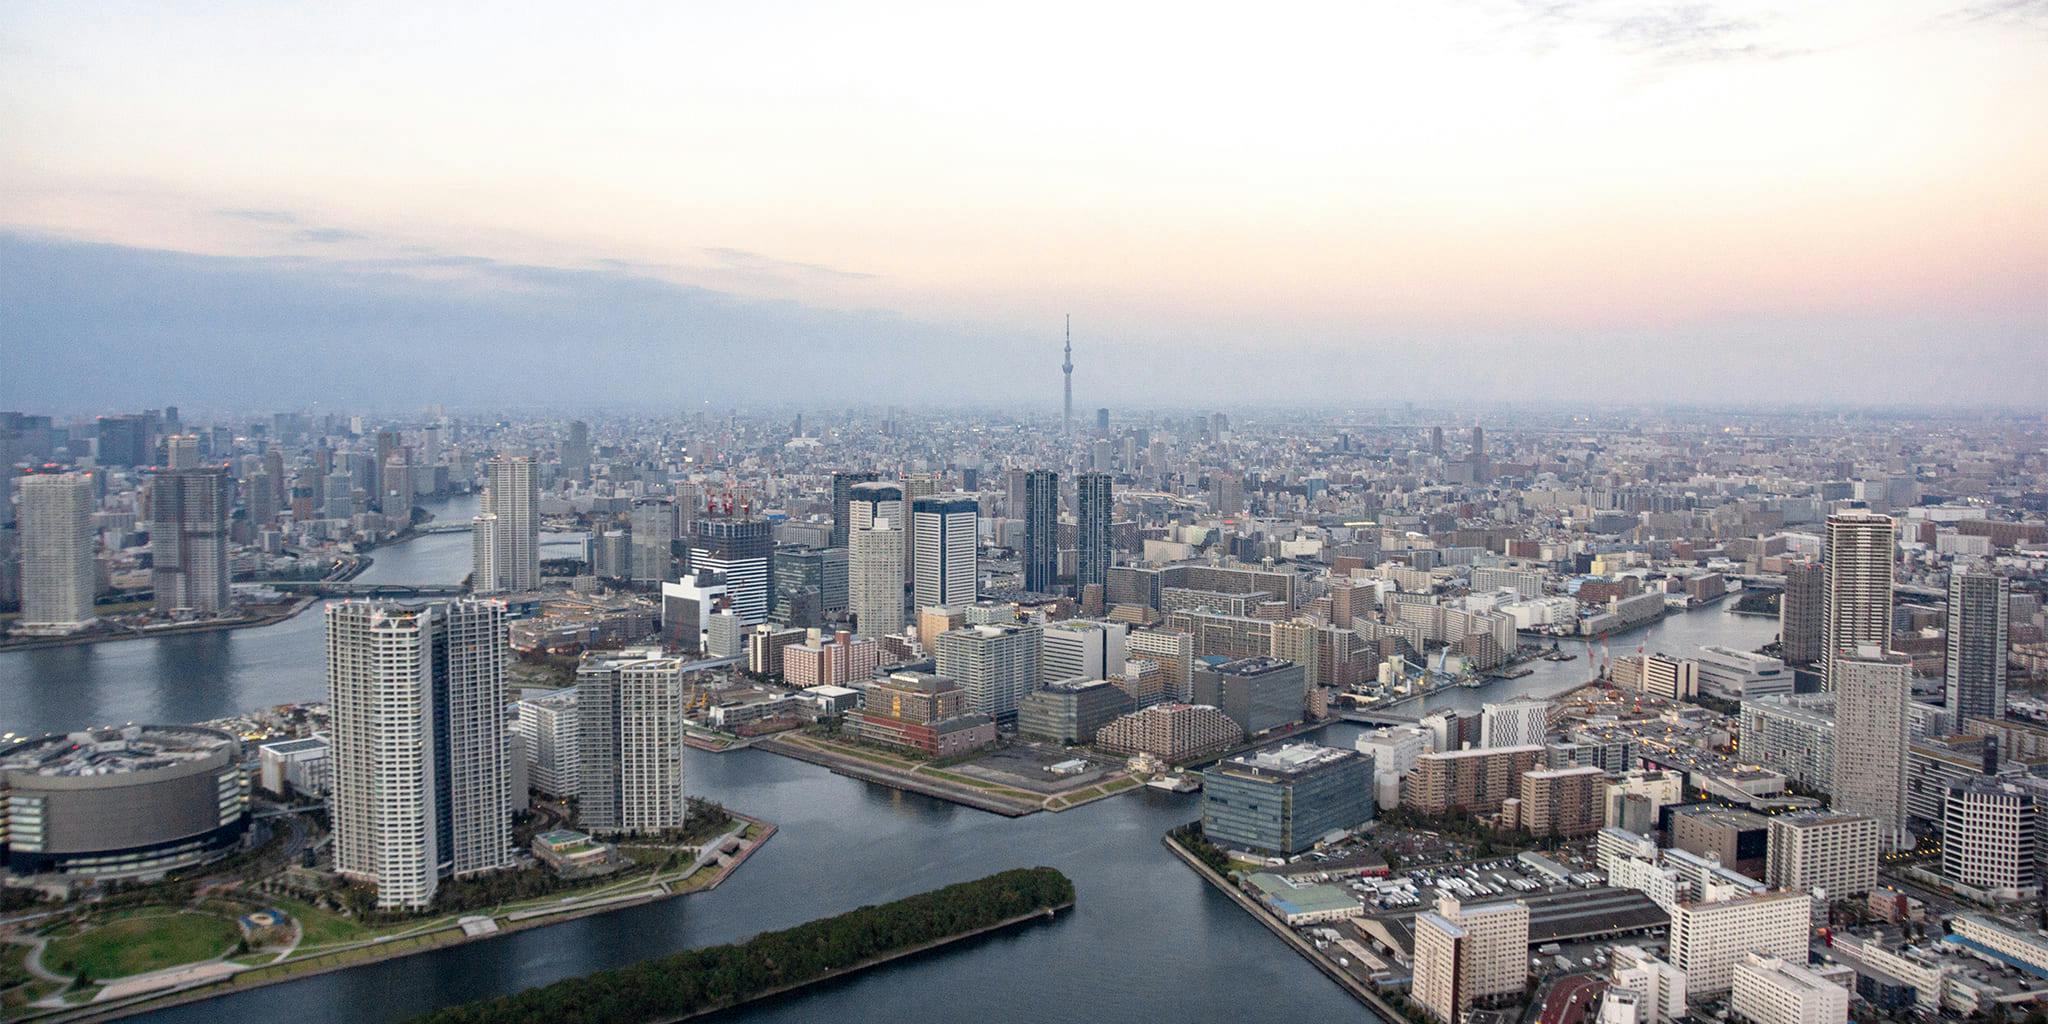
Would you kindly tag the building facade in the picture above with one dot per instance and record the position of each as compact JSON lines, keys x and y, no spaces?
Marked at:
{"x":1856,"y":596}
{"x":416,"y":696}
{"x":1285,"y":800}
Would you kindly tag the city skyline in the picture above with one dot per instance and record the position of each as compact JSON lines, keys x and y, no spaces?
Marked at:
{"x":1696,"y":186}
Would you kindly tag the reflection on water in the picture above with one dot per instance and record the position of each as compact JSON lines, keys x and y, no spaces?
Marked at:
{"x":196,"y":676}
{"x":1148,"y":941}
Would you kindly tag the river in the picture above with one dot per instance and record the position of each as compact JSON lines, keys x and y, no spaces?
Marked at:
{"x":1148,"y":940}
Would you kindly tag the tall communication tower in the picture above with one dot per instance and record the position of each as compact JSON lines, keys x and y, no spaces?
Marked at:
{"x":1067,"y":368}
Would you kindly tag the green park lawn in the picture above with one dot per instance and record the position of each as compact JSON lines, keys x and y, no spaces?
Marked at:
{"x":319,"y":927}
{"x":134,"y":945}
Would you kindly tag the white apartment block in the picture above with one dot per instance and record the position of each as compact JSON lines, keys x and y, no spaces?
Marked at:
{"x":1767,"y":990}
{"x":1708,"y":938}
{"x":58,"y":574}
{"x":548,"y":725}
{"x":1467,"y":955}
{"x":629,"y":713}
{"x":1521,"y":722}
{"x":1659,"y":987}
{"x":403,"y":680}
{"x":1871,"y":690}
{"x":1824,"y":854}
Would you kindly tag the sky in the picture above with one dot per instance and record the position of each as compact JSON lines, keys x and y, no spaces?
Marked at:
{"x":387,"y":204}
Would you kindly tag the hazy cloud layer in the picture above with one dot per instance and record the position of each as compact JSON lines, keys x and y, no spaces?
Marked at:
{"x":93,"y":327}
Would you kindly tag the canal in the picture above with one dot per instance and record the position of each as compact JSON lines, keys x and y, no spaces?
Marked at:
{"x":1148,"y":939}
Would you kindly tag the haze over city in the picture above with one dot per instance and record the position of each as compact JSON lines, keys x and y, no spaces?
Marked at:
{"x":1512,"y":201}
{"x":1465,"y":512}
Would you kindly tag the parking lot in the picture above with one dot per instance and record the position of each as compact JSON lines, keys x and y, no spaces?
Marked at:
{"x":1029,"y":766}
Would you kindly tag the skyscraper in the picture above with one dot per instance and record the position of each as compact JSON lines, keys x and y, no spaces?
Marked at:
{"x":58,"y":573}
{"x":417,"y":702}
{"x":741,"y":549}
{"x":1041,"y":530}
{"x":1871,"y":691}
{"x":1093,"y":515}
{"x":810,"y":583}
{"x":1978,"y":617}
{"x":1800,"y":623}
{"x":575,"y":451}
{"x":1226,"y":493}
{"x":506,"y":551}
{"x":874,"y":558}
{"x":943,"y":534}
{"x":123,"y":441}
{"x":188,"y":533}
{"x":654,"y":531}
{"x":842,"y":492}
{"x":1482,"y":470}
{"x":1856,"y":598}
{"x":629,"y":715}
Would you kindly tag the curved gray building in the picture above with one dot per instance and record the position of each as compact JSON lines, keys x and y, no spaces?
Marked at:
{"x":131,"y":802}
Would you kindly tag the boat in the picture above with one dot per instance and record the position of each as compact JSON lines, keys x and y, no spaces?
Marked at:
{"x":1175,"y":783}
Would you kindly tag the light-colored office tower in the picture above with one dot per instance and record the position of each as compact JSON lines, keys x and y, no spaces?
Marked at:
{"x":946,"y":562}
{"x":1824,"y":853}
{"x":548,"y":725}
{"x":1769,"y":990}
{"x":654,"y":531}
{"x":1856,"y":596}
{"x":511,"y":515}
{"x":1979,"y":613}
{"x":629,"y":714}
{"x":417,"y":701}
{"x":181,"y":451}
{"x":188,"y":538}
{"x":1082,"y":649}
{"x":1871,"y":692}
{"x":397,"y":483}
{"x":1173,"y":652}
{"x":340,"y":495}
{"x":1671,"y":678}
{"x":487,"y":555}
{"x":874,"y":558}
{"x":58,"y":574}
{"x":996,"y":664}
{"x":1468,"y":955}
{"x":1989,"y":838}
{"x":1521,"y":722}
{"x":1708,"y":938}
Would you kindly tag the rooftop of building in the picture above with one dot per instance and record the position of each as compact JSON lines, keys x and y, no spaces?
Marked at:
{"x":1475,"y":752}
{"x":1253,"y":666}
{"x":297,"y":746}
{"x":1293,"y":897}
{"x":1724,"y":817}
{"x":1288,"y":761}
{"x":1076,"y":685}
{"x":124,"y":750}
{"x":922,"y":682}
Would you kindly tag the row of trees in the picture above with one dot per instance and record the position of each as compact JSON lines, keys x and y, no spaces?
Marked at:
{"x":1191,"y":839}
{"x":687,"y":983}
